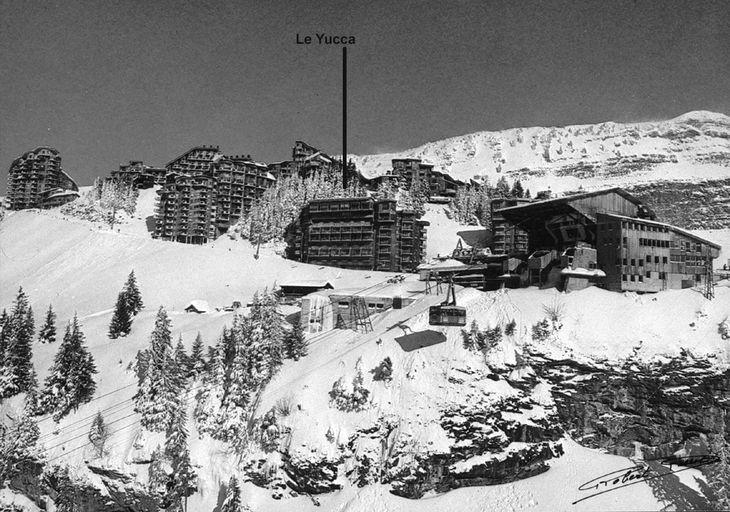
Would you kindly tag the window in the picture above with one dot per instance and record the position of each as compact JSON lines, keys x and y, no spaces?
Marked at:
{"x":625,"y":240}
{"x":664,"y":259}
{"x":633,"y":277}
{"x":698,"y":277}
{"x":656,"y":259}
{"x":633,"y":262}
{"x":641,"y":263}
{"x":343,"y":304}
{"x":641,"y":279}
{"x":623,"y":277}
{"x":648,"y":273}
{"x":662,"y":275}
{"x":625,"y":261}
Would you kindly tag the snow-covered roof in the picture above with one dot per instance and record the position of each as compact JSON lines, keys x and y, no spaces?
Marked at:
{"x":62,"y":193}
{"x":447,"y":263}
{"x":199,"y":305}
{"x":583,"y":272}
{"x":306,"y":283}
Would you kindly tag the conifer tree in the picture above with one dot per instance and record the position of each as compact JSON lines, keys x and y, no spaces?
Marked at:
{"x":98,"y":433}
{"x":233,"y":497}
{"x":159,"y":392}
{"x":502,"y":187}
{"x":18,"y":353}
{"x":267,"y":331}
{"x":32,"y":396}
{"x":70,"y":381}
{"x":4,"y":337}
{"x":48,"y":331}
{"x":384,"y":371}
{"x":295,"y":345}
{"x":196,"y":360}
{"x":181,"y":359}
{"x":121,"y":323}
{"x":517,"y":190}
{"x":18,"y":445}
{"x":131,"y":292}
{"x":176,"y":449}
{"x":30,"y":321}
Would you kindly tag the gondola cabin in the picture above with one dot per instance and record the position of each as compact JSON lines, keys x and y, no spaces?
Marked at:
{"x":447,"y":315}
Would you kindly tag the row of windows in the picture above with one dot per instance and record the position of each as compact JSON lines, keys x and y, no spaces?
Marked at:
{"x":343,"y":206}
{"x":644,"y":227}
{"x":345,"y":251}
{"x":653,"y":242}
{"x":625,"y":261}
{"x":371,"y":305}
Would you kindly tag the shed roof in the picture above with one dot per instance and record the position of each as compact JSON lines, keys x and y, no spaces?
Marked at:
{"x":684,"y":232}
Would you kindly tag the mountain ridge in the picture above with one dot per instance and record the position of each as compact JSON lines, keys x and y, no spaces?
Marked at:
{"x":692,"y":145}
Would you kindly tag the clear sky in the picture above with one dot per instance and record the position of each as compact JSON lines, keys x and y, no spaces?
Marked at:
{"x":108,"y":81}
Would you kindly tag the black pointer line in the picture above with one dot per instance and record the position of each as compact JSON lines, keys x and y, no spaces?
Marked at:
{"x":642,"y":480}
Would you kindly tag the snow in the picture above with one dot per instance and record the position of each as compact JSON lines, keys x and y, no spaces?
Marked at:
{"x":521,"y":153}
{"x":79,"y":266}
{"x":198,"y":306}
{"x":582,"y":272}
{"x":553,"y":490}
{"x":443,"y":233}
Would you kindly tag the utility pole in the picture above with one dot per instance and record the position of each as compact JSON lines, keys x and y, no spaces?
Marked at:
{"x":344,"y":117}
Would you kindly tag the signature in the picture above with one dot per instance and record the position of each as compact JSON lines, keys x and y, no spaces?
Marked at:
{"x":643,"y":471}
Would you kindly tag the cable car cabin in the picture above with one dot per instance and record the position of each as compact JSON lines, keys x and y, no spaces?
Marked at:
{"x":447,"y":315}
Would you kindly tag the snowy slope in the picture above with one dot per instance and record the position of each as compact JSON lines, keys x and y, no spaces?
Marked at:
{"x":443,"y":232}
{"x":81,"y":267}
{"x":695,"y":145}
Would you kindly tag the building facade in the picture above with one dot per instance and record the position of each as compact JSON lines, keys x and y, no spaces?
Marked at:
{"x":633,"y":251}
{"x":358,"y":233}
{"x":139,"y":174}
{"x":307,"y":161}
{"x":507,"y":237}
{"x":205,"y":192}
{"x":647,"y":256}
{"x":438,"y":184}
{"x":36,"y":180}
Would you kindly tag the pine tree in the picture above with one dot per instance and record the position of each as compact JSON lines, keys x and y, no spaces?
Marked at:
{"x":30,"y":321}
{"x":503,"y":189}
{"x":121,"y":323}
{"x":517,"y":190}
{"x":32,"y":396}
{"x":48,"y":331}
{"x":181,"y":359}
{"x":176,"y":449}
{"x":18,"y":353}
{"x":131,"y":292}
{"x":18,"y":446}
{"x":196,"y":360}
{"x":98,"y":434}
{"x":527,"y":194}
{"x":384,"y":371}
{"x":159,"y":392}
{"x":4,"y":337}
{"x":70,"y":382}
{"x":233,"y":497}
{"x":295,"y":345}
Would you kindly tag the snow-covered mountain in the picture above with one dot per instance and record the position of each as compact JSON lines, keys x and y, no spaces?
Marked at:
{"x":695,"y":145}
